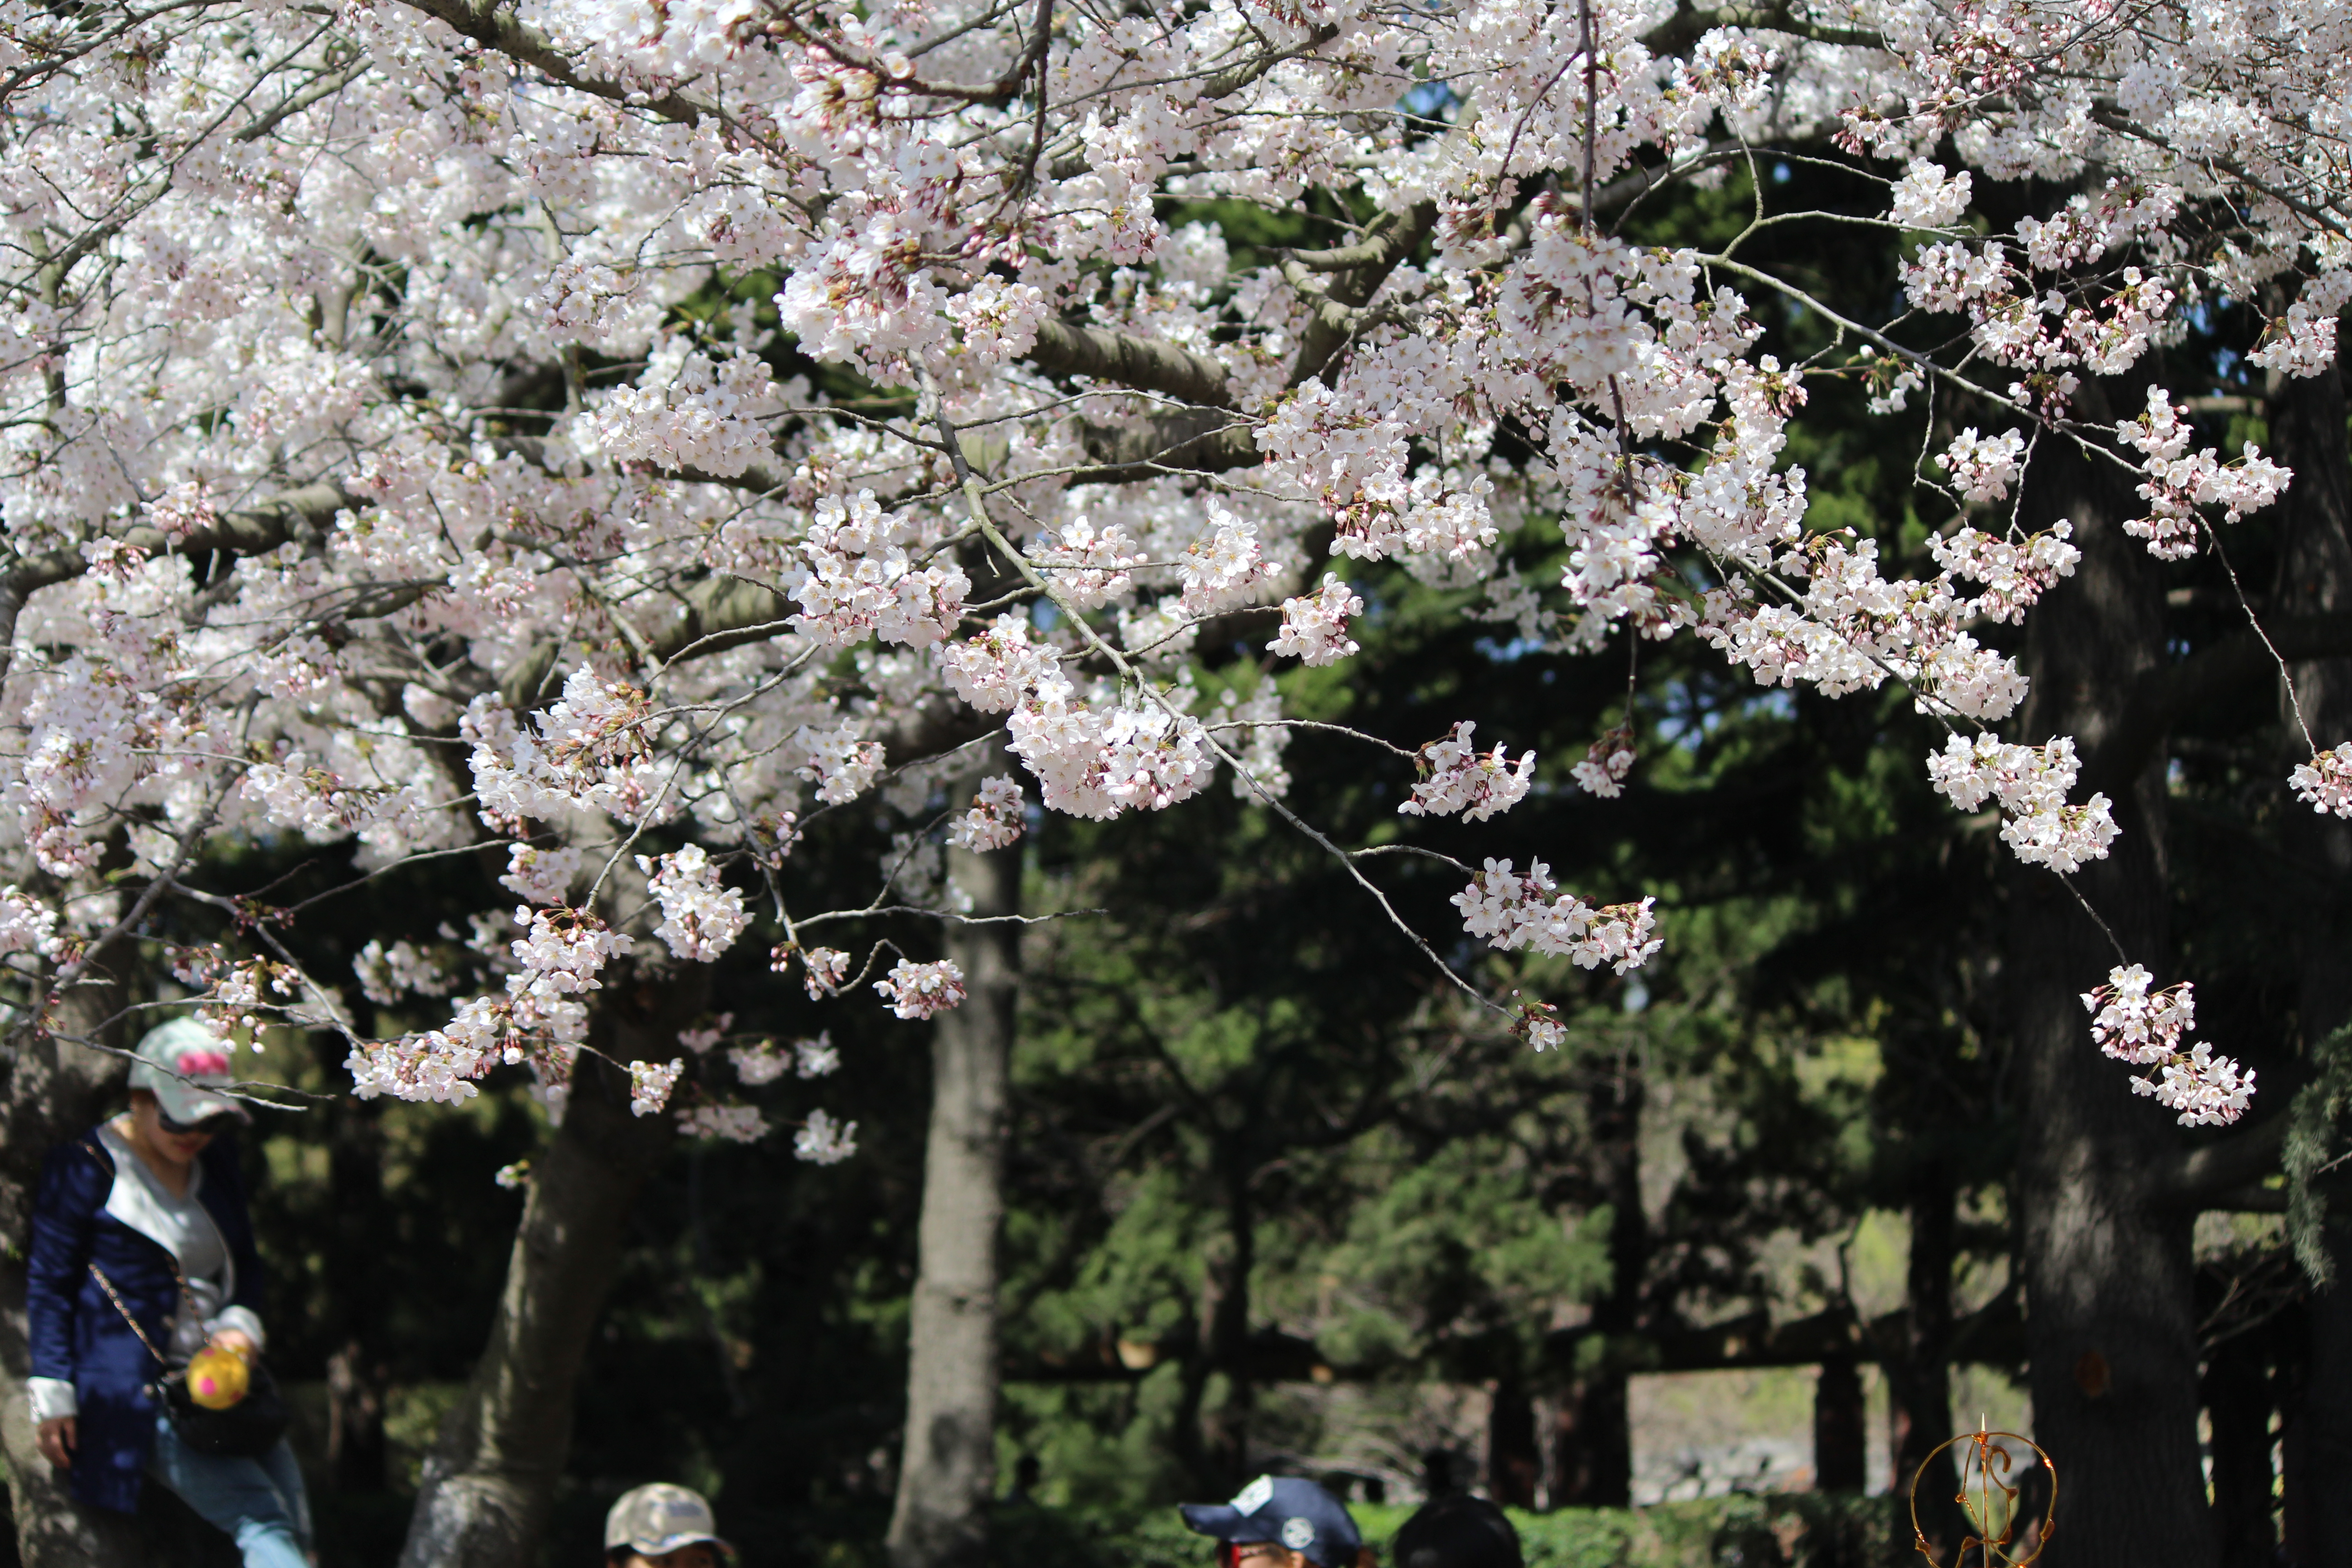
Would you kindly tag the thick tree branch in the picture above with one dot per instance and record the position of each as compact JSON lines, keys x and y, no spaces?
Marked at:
{"x":1186,"y":440}
{"x":496,"y":27}
{"x":2224,"y":1166}
{"x":1232,"y":79}
{"x":1336,"y":320}
{"x":1686,"y":28}
{"x":265,"y":124}
{"x":307,"y":510}
{"x":2164,"y":695}
{"x":1143,"y":363}
{"x":724,"y":613}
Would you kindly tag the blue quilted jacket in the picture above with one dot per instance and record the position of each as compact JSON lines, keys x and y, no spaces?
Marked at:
{"x":82,"y":1215}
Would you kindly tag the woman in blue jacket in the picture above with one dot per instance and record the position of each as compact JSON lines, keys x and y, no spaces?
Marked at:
{"x":142,"y":1255}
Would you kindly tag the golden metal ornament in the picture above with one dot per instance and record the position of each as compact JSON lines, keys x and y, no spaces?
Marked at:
{"x":1992,"y":1509}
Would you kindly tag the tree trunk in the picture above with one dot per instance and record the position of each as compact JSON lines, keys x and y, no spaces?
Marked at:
{"x":2110,"y":1326}
{"x":352,"y":1275}
{"x":1841,"y":1427}
{"x":2290,"y":1369}
{"x":948,"y":1475}
{"x":1513,"y":1461}
{"x":486,"y":1487}
{"x":50,"y":1091}
{"x":2316,"y":576}
{"x":1919,"y":1374}
{"x":1225,"y":1316}
{"x":2238,"y":1404}
{"x":1595,"y":1450}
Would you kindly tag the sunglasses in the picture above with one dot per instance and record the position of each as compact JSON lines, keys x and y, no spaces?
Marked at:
{"x":218,"y":1121}
{"x":1232,"y":1554}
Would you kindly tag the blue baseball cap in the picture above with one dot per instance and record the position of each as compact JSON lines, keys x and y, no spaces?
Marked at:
{"x":1287,"y":1511}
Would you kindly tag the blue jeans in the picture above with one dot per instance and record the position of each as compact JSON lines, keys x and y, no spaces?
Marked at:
{"x":259,"y":1502}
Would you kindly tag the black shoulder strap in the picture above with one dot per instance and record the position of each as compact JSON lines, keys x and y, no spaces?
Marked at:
{"x":106,"y":1161}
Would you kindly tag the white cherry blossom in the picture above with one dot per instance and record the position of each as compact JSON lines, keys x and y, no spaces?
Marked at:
{"x":921,"y":990}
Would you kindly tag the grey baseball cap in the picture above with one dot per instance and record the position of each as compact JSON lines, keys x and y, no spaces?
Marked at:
{"x":177,"y":1062}
{"x":661,"y":1518}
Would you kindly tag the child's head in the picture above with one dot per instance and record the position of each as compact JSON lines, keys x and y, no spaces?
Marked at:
{"x":663,"y":1525}
{"x":1281,"y":1521}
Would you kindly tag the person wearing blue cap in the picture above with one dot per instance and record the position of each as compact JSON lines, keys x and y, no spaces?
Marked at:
{"x":1281,"y":1521}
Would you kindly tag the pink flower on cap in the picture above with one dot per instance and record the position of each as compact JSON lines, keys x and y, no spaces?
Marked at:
{"x":202,"y":1064}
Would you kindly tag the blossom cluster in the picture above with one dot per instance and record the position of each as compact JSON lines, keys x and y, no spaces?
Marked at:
{"x":1456,"y":778}
{"x":2180,"y":479}
{"x":994,"y":820}
{"x":2015,"y":574}
{"x":2149,"y":1028}
{"x":1606,"y":763}
{"x":701,"y":917}
{"x":2324,"y":782}
{"x":822,"y":1141}
{"x":1538,"y":1023}
{"x":1984,"y":467}
{"x":2030,"y":784}
{"x":540,"y":1019}
{"x":921,"y":989}
{"x":650,"y":1084}
{"x":823,"y":970}
{"x":1510,"y":911}
{"x":1315,"y":625}
{"x":730,"y":1123}
{"x":860,"y":580}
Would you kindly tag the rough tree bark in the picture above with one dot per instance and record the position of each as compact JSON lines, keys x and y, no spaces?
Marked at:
{"x":1226,"y":1320}
{"x":353,"y":1279}
{"x":484,"y":1499}
{"x":49,"y":1091}
{"x":2316,"y":576}
{"x":948,"y":1474}
{"x":2107,"y":1264}
{"x":2238,"y":1404}
{"x":1593,"y":1452}
{"x":1841,"y":1427}
{"x":1514,"y":1460}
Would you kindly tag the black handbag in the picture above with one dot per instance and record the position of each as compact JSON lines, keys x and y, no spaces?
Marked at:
{"x":246,"y":1430}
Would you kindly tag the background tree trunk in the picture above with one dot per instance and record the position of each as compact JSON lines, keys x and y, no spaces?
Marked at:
{"x":1225,"y":1318}
{"x":1841,"y":1427}
{"x":2238,"y":1404}
{"x":2316,"y":576}
{"x":948,"y":1475}
{"x":2107,"y":1271}
{"x":50,"y":1091}
{"x":1919,"y":1373}
{"x":354,"y":1291}
{"x":1594,"y":1448}
{"x":484,"y":1499}
{"x":1514,"y":1462}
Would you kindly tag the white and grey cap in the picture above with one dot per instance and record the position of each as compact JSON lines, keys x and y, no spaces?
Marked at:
{"x":181,"y":1063}
{"x":659,"y":1518}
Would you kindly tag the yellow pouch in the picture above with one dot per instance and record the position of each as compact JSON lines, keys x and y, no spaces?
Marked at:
{"x":218,"y":1379}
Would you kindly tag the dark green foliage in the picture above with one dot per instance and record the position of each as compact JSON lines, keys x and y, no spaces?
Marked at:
{"x":2315,"y":1143}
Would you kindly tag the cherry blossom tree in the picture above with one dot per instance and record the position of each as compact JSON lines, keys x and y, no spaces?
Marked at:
{"x":624,"y":434}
